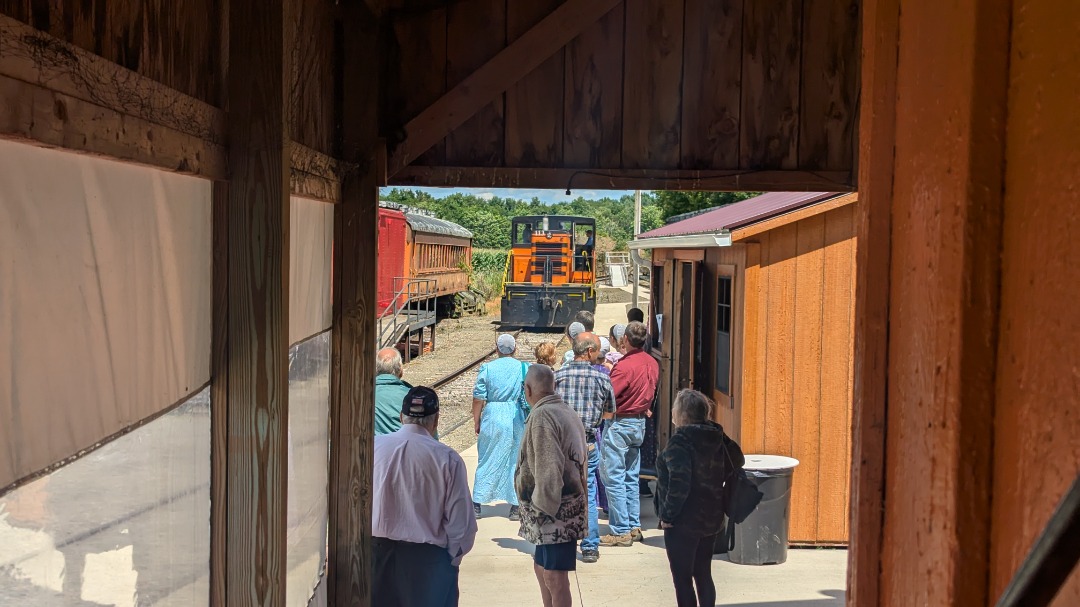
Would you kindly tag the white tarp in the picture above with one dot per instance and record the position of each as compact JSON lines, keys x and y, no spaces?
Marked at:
{"x":105,"y":316}
{"x":311,"y":232}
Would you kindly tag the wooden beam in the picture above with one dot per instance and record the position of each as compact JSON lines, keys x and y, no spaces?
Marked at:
{"x":256,"y":369}
{"x":352,"y":375}
{"x":37,"y":114}
{"x":875,"y":156}
{"x":59,"y":95}
{"x":496,"y":76}
{"x":624,"y":179}
{"x":316,"y":175}
{"x":35,"y":57}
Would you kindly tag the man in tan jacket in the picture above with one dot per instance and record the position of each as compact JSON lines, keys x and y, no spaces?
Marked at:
{"x":550,"y":484}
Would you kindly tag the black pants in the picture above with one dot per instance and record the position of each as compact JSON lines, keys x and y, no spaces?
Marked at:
{"x":412,"y":575}
{"x":690,"y":557}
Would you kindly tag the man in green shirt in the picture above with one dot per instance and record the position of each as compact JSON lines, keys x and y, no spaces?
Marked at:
{"x":390,"y":390}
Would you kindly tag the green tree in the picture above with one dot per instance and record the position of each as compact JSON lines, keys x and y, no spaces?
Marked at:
{"x":677,"y":203}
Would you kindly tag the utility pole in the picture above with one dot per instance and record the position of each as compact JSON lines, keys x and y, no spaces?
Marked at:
{"x":637,"y":230}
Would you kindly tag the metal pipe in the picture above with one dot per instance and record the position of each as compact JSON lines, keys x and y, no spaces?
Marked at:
{"x":637,"y":230}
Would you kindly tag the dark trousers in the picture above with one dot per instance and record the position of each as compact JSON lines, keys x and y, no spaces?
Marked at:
{"x":690,"y":557}
{"x":412,"y":575}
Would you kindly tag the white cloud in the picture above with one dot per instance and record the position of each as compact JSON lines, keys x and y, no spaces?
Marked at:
{"x":486,"y":195}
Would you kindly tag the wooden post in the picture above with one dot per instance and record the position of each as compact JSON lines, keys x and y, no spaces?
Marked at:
{"x":352,"y":379}
{"x":877,"y":140}
{"x":219,"y":398}
{"x":256,"y":368}
{"x":944,"y":273}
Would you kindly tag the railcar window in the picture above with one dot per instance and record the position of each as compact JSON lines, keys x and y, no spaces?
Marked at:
{"x":657,"y":300}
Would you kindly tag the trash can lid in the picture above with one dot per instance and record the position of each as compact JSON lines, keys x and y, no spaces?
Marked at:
{"x":764,"y":463}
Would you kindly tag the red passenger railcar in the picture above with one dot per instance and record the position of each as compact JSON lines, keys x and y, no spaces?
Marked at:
{"x":416,"y":245}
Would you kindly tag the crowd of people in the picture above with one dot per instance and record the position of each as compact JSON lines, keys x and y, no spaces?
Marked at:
{"x":556,"y":442}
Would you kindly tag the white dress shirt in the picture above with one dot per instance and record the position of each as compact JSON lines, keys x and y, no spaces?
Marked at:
{"x":421,"y":492}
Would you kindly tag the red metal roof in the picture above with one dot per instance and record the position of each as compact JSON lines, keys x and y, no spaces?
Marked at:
{"x":740,"y":214}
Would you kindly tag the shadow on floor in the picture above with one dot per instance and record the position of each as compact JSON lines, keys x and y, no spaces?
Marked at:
{"x":829,"y":598}
{"x":514,"y":544}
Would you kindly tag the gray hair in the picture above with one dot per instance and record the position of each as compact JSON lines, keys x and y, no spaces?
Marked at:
{"x":693,"y":405}
{"x":541,"y":378}
{"x":388,"y":362}
{"x":428,"y":421}
{"x":583,"y":342}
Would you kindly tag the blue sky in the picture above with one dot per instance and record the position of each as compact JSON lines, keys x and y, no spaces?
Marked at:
{"x":548,"y":196}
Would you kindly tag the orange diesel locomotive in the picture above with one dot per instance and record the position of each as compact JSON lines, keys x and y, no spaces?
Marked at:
{"x":550,"y":272}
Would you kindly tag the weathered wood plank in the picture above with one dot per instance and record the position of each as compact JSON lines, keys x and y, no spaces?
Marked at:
{"x":770,"y":85}
{"x":750,"y":402}
{"x":534,"y":109}
{"x":779,"y":340}
{"x":836,"y":375}
{"x":473,"y":119}
{"x":219,"y":397}
{"x":654,"y":47}
{"x":421,"y":80}
{"x":58,"y":120}
{"x":258,"y":307}
{"x":38,"y":58}
{"x":625,"y":179}
{"x":168,"y":42}
{"x":877,"y":141}
{"x":829,"y":84}
{"x":315,"y":175}
{"x":712,"y":82}
{"x":352,"y":376}
{"x":806,"y":402}
{"x":592,"y":113}
{"x":479,"y":140}
{"x":311,"y":82}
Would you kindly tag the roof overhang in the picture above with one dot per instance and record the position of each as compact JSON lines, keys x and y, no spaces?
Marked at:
{"x":683,"y":241}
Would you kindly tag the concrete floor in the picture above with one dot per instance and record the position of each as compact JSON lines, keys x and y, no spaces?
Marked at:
{"x":498,"y":571}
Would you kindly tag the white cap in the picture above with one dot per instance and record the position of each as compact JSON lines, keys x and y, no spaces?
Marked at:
{"x":506,"y":344}
{"x":575,"y":329}
{"x":605,"y":346}
{"x":618,"y":331}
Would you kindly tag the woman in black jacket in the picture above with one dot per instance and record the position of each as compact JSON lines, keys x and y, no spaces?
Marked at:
{"x":690,"y":495}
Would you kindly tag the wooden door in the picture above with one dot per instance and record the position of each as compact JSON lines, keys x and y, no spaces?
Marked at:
{"x":684,"y":325}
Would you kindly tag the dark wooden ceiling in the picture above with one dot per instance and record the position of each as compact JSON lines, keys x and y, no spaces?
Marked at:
{"x":649,"y":94}
{"x":694,"y":94}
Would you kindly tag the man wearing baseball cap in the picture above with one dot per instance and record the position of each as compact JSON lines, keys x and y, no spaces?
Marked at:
{"x":422,"y":518}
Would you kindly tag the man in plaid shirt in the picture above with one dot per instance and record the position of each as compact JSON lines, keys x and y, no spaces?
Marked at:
{"x":589,"y":393}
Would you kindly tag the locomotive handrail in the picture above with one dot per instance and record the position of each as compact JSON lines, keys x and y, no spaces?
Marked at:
{"x":547,"y":271}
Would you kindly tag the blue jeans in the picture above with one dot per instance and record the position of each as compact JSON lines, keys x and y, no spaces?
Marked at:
{"x":622,"y":464}
{"x":592,"y":541}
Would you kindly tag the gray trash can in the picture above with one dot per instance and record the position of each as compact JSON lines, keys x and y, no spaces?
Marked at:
{"x":762,"y":539}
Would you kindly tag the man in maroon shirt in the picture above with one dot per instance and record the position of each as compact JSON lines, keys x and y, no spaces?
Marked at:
{"x":633,"y":380}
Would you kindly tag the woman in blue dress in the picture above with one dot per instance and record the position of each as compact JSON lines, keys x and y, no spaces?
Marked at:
{"x":499,"y":420}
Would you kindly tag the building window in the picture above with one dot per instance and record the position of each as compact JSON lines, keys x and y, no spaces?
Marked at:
{"x":723,"y":335}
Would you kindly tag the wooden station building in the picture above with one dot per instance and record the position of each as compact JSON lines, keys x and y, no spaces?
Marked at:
{"x":152,"y":250}
{"x":755,"y":302}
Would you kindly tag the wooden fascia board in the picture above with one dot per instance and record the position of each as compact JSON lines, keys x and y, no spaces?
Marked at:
{"x":624,"y":179}
{"x":799,"y":214}
{"x":496,"y":76}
